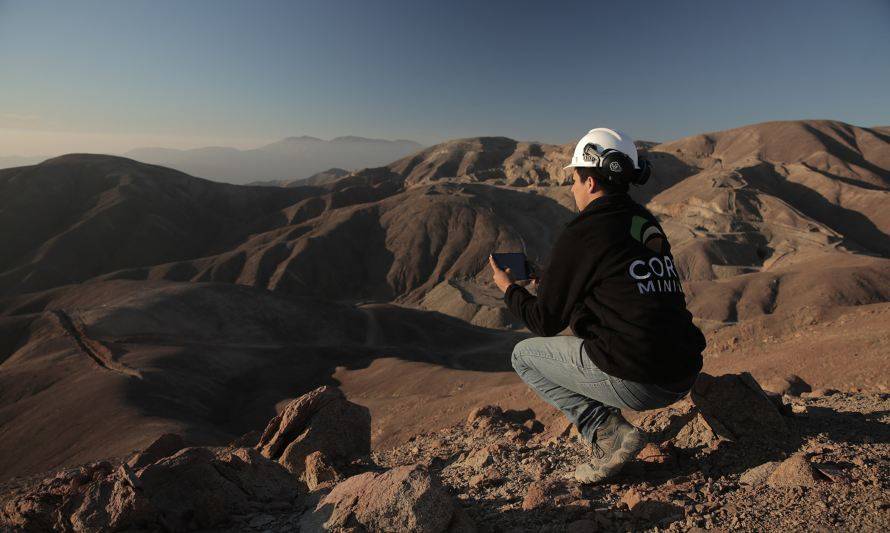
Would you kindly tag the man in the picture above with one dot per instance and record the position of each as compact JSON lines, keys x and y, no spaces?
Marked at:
{"x":613,"y":280}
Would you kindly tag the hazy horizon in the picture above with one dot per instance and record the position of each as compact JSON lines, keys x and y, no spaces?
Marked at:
{"x":109,"y":77}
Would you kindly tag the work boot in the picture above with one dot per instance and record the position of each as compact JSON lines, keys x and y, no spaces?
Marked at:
{"x":617,"y":442}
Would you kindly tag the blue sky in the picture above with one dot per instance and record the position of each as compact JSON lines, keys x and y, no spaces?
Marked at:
{"x":108,"y":76}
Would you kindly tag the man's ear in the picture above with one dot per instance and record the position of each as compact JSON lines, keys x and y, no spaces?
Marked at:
{"x":592,"y":184}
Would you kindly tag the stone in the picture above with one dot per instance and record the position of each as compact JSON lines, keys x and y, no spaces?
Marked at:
{"x":656,"y":454}
{"x":320,"y":420}
{"x":478,"y":459}
{"x":319,"y":472}
{"x":193,"y":488}
{"x":405,"y":498}
{"x":548,"y":493}
{"x":205,"y":485}
{"x":796,"y":471}
{"x":759,"y":474}
{"x":631,"y":498}
{"x":164,"y":446}
{"x":649,"y":507}
{"x":486,"y":411}
{"x":737,"y":409}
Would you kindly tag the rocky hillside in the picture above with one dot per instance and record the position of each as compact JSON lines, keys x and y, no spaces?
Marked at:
{"x":731,"y":456}
{"x":173,"y":304}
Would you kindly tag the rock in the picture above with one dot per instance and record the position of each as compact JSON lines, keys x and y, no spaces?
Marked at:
{"x":193,"y":488}
{"x":658,"y":454}
{"x":631,"y":498}
{"x":701,"y":433}
{"x":484,"y":478}
{"x":486,"y":411}
{"x":759,"y":474}
{"x":165,"y":445}
{"x":404,"y":498}
{"x":478,"y":459}
{"x":203,"y":486}
{"x":648,"y":507}
{"x":550,"y":492}
{"x":319,"y":472}
{"x":796,"y":471}
{"x":737,"y":409}
{"x":320,"y":420}
{"x":792,"y":385}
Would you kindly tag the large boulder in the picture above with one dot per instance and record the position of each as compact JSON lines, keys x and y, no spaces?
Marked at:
{"x":195,"y":488}
{"x":405,"y":498}
{"x":94,"y":497}
{"x":321,"y":420}
{"x":738,"y":409}
{"x":731,"y":409}
{"x":201,"y":487}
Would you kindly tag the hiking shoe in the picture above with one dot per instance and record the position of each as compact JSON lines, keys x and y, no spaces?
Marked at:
{"x":617,"y":442}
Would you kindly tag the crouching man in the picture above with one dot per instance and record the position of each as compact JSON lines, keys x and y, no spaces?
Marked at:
{"x":613,"y":281}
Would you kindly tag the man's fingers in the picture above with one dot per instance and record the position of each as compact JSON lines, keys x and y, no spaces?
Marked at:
{"x":493,"y":264}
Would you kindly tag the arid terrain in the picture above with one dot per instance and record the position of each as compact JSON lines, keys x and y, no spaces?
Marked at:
{"x":138,"y":301}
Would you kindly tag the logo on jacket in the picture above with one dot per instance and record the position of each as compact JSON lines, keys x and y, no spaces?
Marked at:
{"x":648,"y":233}
{"x":654,"y":274}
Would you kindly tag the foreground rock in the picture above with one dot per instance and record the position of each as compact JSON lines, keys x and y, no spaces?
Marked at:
{"x":731,"y":409}
{"x":323,"y":421}
{"x":192,"y":489}
{"x":171,"y":487}
{"x":405,"y":498}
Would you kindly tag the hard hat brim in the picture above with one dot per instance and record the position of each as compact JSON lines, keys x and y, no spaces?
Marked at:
{"x":579,"y":165}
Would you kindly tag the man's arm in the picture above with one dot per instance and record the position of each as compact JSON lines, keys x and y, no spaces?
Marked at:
{"x":571,"y":265}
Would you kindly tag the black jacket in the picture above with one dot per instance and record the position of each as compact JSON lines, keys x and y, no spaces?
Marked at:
{"x":612,"y":278}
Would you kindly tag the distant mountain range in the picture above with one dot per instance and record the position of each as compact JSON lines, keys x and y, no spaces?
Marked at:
{"x":289,"y":159}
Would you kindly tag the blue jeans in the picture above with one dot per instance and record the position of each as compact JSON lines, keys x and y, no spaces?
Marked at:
{"x":558,"y":369}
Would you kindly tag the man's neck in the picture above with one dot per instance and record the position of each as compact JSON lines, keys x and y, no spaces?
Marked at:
{"x":592,"y":198}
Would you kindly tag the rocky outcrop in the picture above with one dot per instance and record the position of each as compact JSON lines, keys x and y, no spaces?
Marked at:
{"x":168,"y":486}
{"x":195,"y":488}
{"x":732,"y":408}
{"x":405,"y":498}
{"x":322,"y":420}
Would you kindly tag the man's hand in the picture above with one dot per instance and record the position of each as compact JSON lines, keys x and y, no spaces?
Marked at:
{"x":501,"y":278}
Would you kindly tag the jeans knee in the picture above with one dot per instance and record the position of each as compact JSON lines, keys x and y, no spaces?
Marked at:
{"x":518,"y":351}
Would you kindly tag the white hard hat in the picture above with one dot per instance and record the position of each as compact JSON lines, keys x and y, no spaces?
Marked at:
{"x":602,"y":139}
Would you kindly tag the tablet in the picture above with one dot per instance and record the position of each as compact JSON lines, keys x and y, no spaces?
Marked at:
{"x":516,"y":262}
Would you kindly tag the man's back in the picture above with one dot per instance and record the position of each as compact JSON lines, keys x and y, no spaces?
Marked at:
{"x":613,"y":279}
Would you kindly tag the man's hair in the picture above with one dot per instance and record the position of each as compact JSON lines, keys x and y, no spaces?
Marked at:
{"x":588,"y":172}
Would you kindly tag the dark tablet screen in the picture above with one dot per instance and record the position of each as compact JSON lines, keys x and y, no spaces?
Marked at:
{"x":515,"y":261}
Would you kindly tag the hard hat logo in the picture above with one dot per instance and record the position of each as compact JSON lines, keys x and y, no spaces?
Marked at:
{"x":614,"y":166}
{"x":590,"y":153}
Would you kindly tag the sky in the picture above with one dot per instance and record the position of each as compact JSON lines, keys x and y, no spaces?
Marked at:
{"x":108,"y":76}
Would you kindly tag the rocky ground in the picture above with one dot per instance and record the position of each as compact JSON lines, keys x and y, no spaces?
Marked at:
{"x":827,"y":472}
{"x":729,"y":457}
